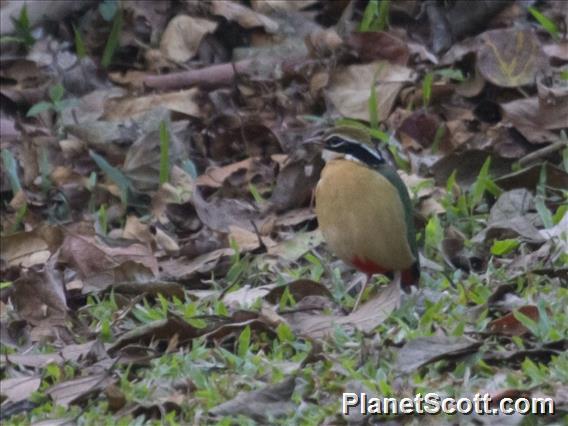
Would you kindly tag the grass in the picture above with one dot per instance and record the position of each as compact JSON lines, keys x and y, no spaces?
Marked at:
{"x":252,"y":359}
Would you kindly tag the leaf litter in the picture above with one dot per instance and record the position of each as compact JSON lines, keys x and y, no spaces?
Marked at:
{"x":160,"y":253}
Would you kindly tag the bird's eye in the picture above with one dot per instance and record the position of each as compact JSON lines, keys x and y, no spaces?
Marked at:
{"x":334,"y":142}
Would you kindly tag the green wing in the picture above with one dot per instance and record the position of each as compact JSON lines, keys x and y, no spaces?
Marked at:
{"x":393,"y":177}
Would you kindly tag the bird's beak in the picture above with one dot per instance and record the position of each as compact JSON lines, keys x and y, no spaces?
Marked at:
{"x":314,"y":140}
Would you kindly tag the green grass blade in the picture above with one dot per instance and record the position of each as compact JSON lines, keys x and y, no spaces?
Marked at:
{"x":12,"y":170}
{"x":80,"y":48}
{"x":112,"y":41}
{"x":545,"y":22}
{"x":114,"y":174}
{"x":164,"y":153}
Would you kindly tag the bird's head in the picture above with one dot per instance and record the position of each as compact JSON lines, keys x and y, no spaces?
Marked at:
{"x":351,"y":143}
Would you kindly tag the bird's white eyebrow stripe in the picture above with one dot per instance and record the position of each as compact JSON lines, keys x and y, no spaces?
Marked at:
{"x":364,"y":146}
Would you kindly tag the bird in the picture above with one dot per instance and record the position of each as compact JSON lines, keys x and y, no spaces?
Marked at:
{"x":364,"y":210}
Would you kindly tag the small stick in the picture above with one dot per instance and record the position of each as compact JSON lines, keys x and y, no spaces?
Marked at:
{"x":543,"y":152}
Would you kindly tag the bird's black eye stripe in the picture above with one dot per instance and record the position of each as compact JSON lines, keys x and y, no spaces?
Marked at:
{"x":363,"y":153}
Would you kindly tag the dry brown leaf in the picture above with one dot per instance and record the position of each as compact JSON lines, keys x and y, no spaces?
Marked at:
{"x":263,"y":404}
{"x":184,"y":269}
{"x":184,"y":101}
{"x":25,"y":249}
{"x":423,"y":129}
{"x":373,"y":45}
{"x":510,"y":325}
{"x":245,"y":17}
{"x":557,"y":50}
{"x":92,"y":257}
{"x":39,"y":296}
{"x":183,"y":35}
{"x":20,"y":388}
{"x":510,"y":217}
{"x":70,"y":391}
{"x":534,"y":118}
{"x":424,"y":350}
{"x":247,"y":240}
{"x":528,"y":178}
{"x":134,"y":229}
{"x":246,"y":296}
{"x":471,"y":87}
{"x":297,"y":246}
{"x":323,"y":42}
{"x":350,"y":88}
{"x":216,"y":176}
{"x":375,"y":310}
{"x":90,"y":107}
{"x":267,"y":6}
{"x":157,"y":330}
{"x":166,"y":289}
{"x":140,"y":164}
{"x":299,"y":289}
{"x":33,"y":360}
{"x":368,"y":316}
{"x":294,"y":218}
{"x":220,"y":213}
{"x":296,"y":181}
{"x":509,"y":57}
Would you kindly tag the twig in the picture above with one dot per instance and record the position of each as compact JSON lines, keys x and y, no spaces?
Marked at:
{"x":215,"y":75}
{"x":543,"y":152}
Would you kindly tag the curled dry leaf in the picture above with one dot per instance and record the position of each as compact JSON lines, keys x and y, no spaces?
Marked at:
{"x":509,"y":57}
{"x":183,"y":35}
{"x":350,"y":88}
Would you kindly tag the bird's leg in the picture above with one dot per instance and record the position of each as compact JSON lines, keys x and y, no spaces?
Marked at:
{"x":363,"y":287}
{"x":396,"y":281}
